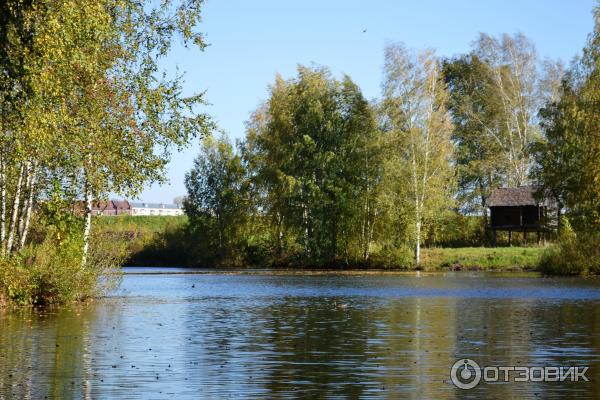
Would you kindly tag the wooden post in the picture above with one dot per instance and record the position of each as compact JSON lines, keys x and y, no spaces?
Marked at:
{"x":521,"y":216}
{"x":544,"y":236}
{"x":494,"y":238}
{"x":509,"y":237}
{"x":538,"y":237}
{"x":525,"y":236}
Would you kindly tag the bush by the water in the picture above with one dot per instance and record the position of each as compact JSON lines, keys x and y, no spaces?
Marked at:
{"x":52,"y":273}
{"x":573,"y":254}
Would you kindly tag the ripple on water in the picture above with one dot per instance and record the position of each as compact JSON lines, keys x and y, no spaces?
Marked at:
{"x":263,"y":336}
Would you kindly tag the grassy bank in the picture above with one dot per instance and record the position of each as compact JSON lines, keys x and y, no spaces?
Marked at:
{"x":484,"y":258}
{"x":141,"y":235}
{"x":143,"y":225}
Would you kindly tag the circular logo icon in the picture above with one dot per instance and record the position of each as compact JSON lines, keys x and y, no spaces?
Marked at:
{"x":465,"y":374}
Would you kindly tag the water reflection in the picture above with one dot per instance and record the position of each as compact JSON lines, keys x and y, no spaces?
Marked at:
{"x":297,"y":337}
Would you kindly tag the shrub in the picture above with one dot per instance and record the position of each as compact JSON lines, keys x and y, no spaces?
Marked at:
{"x":51,"y":272}
{"x":573,"y":254}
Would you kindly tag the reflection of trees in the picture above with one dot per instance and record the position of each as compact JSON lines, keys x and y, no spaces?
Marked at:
{"x":494,"y":332}
{"x":530,"y":332}
{"x":414,"y":343}
{"x":271,"y":347}
{"x":43,"y":353}
{"x":319,"y":348}
{"x":567,"y":333}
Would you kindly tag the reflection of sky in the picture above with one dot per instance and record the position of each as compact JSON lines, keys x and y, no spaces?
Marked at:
{"x":291,"y":336}
{"x":408,"y":285}
{"x":253,"y":40}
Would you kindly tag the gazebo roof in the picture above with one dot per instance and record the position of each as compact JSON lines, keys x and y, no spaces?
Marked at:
{"x":509,"y":197}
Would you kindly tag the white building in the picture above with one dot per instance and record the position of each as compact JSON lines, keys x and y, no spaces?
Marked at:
{"x":155,"y":209}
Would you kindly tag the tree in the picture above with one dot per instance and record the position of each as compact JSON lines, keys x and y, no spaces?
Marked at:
{"x":310,"y":150}
{"x":217,"y":202}
{"x":567,"y":157}
{"x":418,"y":128}
{"x":481,"y":163}
{"x":178,"y":200}
{"x":495,"y":93}
{"x":512,"y":75}
{"x":87,"y":105}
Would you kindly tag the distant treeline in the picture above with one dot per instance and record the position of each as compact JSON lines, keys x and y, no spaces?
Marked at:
{"x":325,"y":177}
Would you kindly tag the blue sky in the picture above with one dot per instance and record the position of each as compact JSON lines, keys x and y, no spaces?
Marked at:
{"x":250,"y":41}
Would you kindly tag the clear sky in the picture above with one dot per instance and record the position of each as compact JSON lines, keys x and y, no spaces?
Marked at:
{"x":250,"y":41}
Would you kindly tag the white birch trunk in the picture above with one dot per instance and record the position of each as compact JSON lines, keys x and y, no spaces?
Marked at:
{"x":29,"y":208}
{"x":2,"y":205}
{"x":15,"y":211}
{"x":418,"y":243}
{"x":21,"y":223}
{"x":88,"y":224}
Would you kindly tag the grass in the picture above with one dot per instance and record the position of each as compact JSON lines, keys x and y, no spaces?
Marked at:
{"x":484,"y":258}
{"x":140,"y":233}
{"x":141,"y":224}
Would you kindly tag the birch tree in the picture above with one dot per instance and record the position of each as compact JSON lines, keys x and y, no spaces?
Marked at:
{"x":311,"y":149}
{"x":86,"y":104}
{"x":495,"y":93}
{"x":418,"y":128}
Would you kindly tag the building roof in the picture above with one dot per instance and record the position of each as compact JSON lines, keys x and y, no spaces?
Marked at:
{"x":121,"y":204}
{"x":102,"y":205}
{"x":154,"y":205}
{"x":519,"y":196}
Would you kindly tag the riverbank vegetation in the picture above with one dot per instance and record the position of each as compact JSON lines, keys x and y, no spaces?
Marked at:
{"x":167,"y":242}
{"x":85,"y":111}
{"x":326,"y":178}
{"x":323,"y":178}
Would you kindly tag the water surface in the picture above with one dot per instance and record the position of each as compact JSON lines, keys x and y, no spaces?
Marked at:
{"x":211,"y":335}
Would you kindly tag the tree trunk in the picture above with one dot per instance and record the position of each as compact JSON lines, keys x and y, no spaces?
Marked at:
{"x":366,"y":230}
{"x":29,"y":208}
{"x":15,"y":211}
{"x":418,"y":243}
{"x":88,"y":224}
{"x":370,"y":230}
{"x":2,"y":204}
{"x":306,"y":230}
{"x":279,"y":219}
{"x":25,"y":205}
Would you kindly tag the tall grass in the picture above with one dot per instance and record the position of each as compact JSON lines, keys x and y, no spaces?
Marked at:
{"x":51,"y":272}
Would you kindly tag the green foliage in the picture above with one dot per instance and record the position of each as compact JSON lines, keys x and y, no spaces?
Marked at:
{"x":417,"y":176}
{"x":137,"y":225}
{"x":312,"y":157}
{"x":48,"y":273}
{"x":573,"y":253}
{"x":456,"y":230}
{"x":475,"y":110}
{"x":217,"y":204}
{"x":86,"y":109}
{"x":149,"y":240}
{"x":568,"y":155}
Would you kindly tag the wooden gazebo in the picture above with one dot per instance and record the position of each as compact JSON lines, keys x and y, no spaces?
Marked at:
{"x":518,"y":210}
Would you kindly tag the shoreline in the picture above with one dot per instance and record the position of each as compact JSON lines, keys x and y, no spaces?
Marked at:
{"x":154,"y":270}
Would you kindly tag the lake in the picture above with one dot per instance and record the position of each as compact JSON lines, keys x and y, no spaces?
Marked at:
{"x":219,"y":335}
